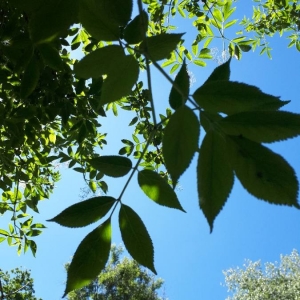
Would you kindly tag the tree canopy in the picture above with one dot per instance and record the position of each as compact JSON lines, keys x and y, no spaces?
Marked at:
{"x":51,"y":107}
{"x":271,"y":281}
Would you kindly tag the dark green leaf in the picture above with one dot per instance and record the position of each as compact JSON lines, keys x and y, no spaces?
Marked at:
{"x":85,"y":213}
{"x":182,"y":81}
{"x":245,"y":48}
{"x":114,"y":166}
{"x":136,"y":238}
{"x":157,"y":189}
{"x":221,"y":72}
{"x":160,"y":46}
{"x":263,"y":126}
{"x":233,"y":97}
{"x":51,"y":56}
{"x":30,"y":78}
{"x":136,"y":29}
{"x":110,"y":61}
{"x":215,"y":176}
{"x":90,"y":257}
{"x":263,"y":173}
{"x":180,"y":141}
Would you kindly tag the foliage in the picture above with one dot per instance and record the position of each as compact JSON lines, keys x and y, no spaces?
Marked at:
{"x":16,"y":285}
{"x":51,"y":108}
{"x":122,"y":278}
{"x":273,"y":281}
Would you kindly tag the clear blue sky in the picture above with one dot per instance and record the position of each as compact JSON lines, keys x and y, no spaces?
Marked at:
{"x":187,"y":256}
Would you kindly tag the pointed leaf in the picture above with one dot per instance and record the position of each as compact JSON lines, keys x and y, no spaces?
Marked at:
{"x":263,"y":126}
{"x":263,"y":173}
{"x":114,"y":166}
{"x":136,"y":29}
{"x":182,"y":81}
{"x":221,"y":72}
{"x":157,"y":189}
{"x":215,"y":176}
{"x":233,"y":97}
{"x":180,"y":141}
{"x":160,"y":46}
{"x":85,"y":213}
{"x":245,"y":48}
{"x":90,"y":257}
{"x":136,"y":237}
{"x":51,"y":56}
{"x":30,"y":78}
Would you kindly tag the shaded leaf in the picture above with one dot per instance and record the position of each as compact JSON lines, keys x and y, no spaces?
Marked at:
{"x":180,"y":141}
{"x":182,"y":81}
{"x":263,"y":126}
{"x":51,"y":56}
{"x":30,"y":78}
{"x":85,"y":213}
{"x":111,"y":165}
{"x":136,"y":237}
{"x":221,"y":72}
{"x":215,"y":176}
{"x":136,"y":29}
{"x":90,"y":257}
{"x":233,"y":97}
{"x":157,"y":189}
{"x":263,"y":173}
{"x":245,"y":48}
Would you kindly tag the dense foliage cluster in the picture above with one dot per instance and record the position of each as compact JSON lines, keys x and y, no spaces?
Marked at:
{"x":51,"y":108}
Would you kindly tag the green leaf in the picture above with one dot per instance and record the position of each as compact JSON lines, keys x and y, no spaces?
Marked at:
{"x":199,"y":63}
{"x":90,"y":257}
{"x":180,"y":141}
{"x":231,"y":97}
{"x":110,"y":61}
{"x":51,"y":56}
{"x":85,"y":213}
{"x":30,"y":78}
{"x":215,"y":176}
{"x":157,"y":189}
{"x":102,"y":19}
{"x":221,"y":72}
{"x":263,"y":173}
{"x":52,"y":19}
{"x":136,"y":238}
{"x":160,"y":46}
{"x":136,"y":29}
{"x":263,"y":126}
{"x":114,"y":166}
{"x":230,"y":23}
{"x":182,"y":81}
{"x":245,"y":48}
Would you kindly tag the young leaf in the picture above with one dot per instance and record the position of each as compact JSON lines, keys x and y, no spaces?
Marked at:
{"x":221,"y":72}
{"x":157,"y":189}
{"x":215,"y":176}
{"x":30,"y":78}
{"x":263,"y":173}
{"x":180,"y":141}
{"x":110,"y":61}
{"x":85,"y":213}
{"x":231,"y":97}
{"x":182,"y":81}
{"x":263,"y":126}
{"x":114,"y":166}
{"x":136,"y":237}
{"x":160,"y":46}
{"x":90,"y":257}
{"x":136,"y":29}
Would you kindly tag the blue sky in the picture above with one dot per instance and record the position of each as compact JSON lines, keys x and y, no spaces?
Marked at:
{"x":187,"y":256}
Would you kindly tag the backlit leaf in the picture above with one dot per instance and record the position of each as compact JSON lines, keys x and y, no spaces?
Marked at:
{"x":233,"y":97}
{"x":136,"y":237}
{"x":215,"y":176}
{"x":263,"y":173}
{"x":157,"y":189}
{"x":263,"y":126}
{"x":136,"y":29}
{"x":85,"y":212}
{"x":90,"y":257}
{"x":221,"y":72}
{"x":182,"y":81}
{"x":111,"y":165}
{"x":180,"y":141}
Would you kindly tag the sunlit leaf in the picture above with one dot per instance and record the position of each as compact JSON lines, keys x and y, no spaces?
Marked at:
{"x":180,"y":141}
{"x":85,"y":213}
{"x":136,"y":237}
{"x":90,"y":257}
{"x":157,"y":189}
